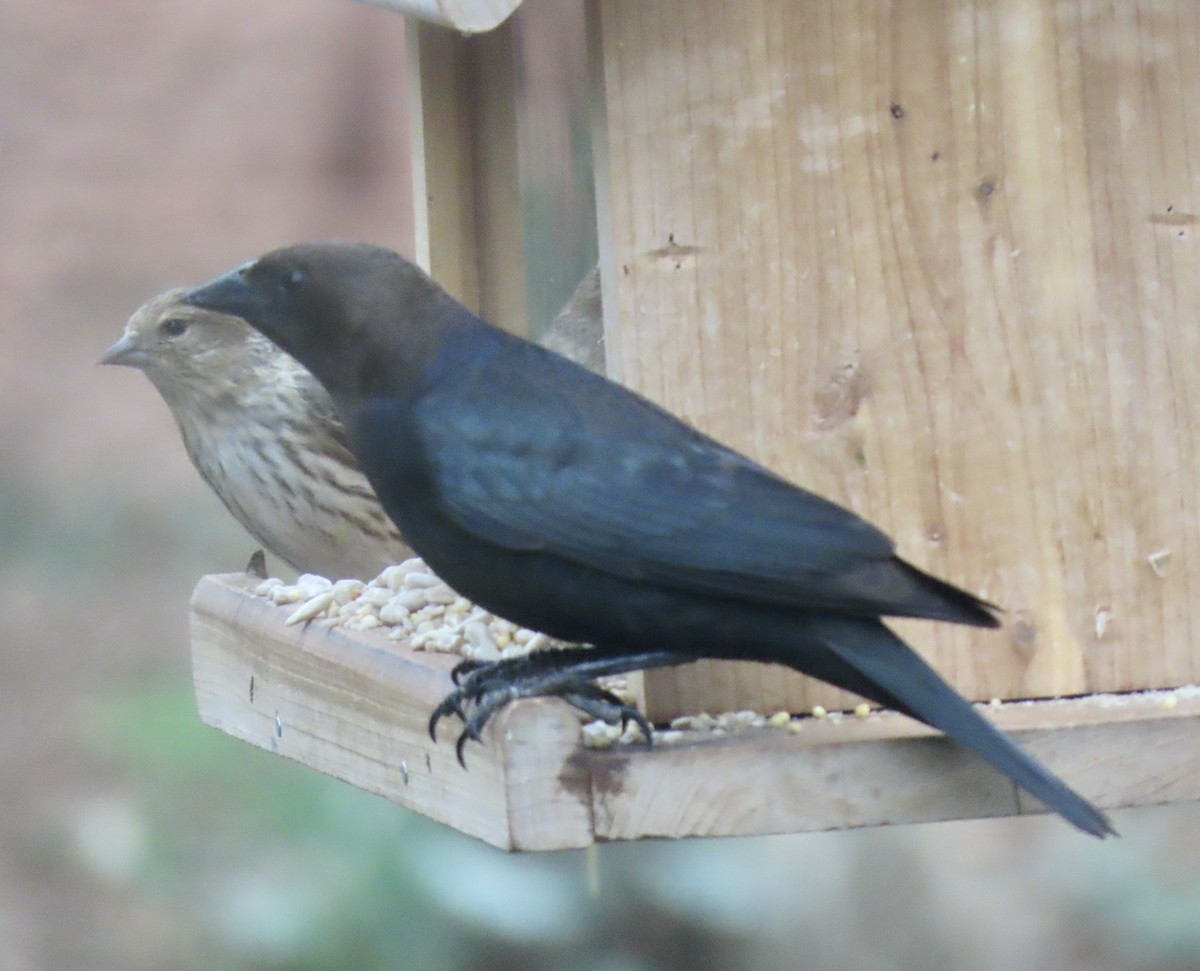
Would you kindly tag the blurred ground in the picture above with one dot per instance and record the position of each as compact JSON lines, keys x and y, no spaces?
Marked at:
{"x":146,"y":145}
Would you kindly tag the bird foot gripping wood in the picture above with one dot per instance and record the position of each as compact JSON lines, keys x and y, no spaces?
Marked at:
{"x":483,"y":689}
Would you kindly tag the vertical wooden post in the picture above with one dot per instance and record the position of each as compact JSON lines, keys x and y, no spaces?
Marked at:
{"x":503,"y":209}
{"x":465,"y":179}
{"x":440,"y":143}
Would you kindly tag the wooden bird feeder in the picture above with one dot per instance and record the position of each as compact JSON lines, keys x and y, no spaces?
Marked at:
{"x":936,"y":261}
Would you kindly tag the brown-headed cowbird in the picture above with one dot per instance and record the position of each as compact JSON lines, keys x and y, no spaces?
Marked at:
{"x":262,"y":432}
{"x":568,"y":504}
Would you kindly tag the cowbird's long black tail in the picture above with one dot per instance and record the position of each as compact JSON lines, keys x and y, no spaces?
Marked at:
{"x":868,"y":659}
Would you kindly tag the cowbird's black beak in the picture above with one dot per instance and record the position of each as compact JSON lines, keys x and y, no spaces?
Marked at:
{"x":230,"y":294}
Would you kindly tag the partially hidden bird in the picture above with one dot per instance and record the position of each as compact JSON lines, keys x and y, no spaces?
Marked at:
{"x":264,"y":435}
{"x":566,"y":503}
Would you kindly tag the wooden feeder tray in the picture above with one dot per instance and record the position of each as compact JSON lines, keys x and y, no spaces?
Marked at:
{"x":355,"y":705}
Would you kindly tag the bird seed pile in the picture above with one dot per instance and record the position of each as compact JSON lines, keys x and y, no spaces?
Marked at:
{"x":415,"y":604}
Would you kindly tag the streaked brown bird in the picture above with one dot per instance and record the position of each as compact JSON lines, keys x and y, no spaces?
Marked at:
{"x":262,"y":431}
{"x":568,"y":504}
{"x":263,"y":434}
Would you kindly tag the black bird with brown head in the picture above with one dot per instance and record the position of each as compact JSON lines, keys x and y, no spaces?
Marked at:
{"x":566,"y":503}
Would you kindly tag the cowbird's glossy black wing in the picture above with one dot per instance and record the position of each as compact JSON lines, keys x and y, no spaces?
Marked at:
{"x":530,"y":452}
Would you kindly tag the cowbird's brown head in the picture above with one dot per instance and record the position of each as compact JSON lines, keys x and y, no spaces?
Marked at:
{"x":332,"y":306}
{"x":190,"y":354}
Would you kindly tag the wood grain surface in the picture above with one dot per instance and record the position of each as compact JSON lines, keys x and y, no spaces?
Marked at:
{"x":937,"y":261}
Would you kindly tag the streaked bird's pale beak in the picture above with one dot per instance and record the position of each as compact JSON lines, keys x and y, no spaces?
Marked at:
{"x":125,"y":352}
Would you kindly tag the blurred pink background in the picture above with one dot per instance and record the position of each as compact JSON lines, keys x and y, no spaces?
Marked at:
{"x":151,"y":143}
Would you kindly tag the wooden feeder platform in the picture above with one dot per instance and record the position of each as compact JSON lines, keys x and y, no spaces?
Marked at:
{"x":355,"y":705}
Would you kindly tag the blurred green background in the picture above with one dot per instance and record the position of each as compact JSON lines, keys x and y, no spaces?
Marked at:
{"x":151,"y":143}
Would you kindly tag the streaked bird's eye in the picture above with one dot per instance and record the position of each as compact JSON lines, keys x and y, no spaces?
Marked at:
{"x":173,"y":326}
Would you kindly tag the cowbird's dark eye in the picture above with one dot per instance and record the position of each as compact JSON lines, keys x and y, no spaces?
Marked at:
{"x":294,"y":279}
{"x":173,"y":326}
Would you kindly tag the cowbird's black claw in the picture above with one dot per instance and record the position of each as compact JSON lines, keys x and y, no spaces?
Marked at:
{"x":465,"y":667}
{"x":458,"y":747}
{"x":596,"y":702}
{"x":450,"y":705}
{"x":646,"y":727}
{"x":629,"y":714}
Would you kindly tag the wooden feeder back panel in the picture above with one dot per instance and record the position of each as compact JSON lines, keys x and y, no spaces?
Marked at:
{"x":937,"y":261}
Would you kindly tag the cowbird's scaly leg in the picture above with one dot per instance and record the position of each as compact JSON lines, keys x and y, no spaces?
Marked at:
{"x":556,"y":672}
{"x":540,"y":674}
{"x":577,"y":691}
{"x":586,"y":696}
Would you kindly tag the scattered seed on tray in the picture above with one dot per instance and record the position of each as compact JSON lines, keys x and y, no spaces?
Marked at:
{"x":415,"y":604}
